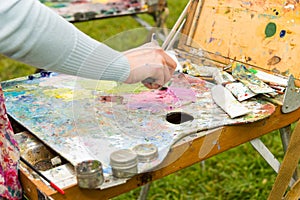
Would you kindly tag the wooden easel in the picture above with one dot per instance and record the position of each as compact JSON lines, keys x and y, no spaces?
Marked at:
{"x":222,"y":33}
{"x":220,"y":42}
{"x":287,"y":168}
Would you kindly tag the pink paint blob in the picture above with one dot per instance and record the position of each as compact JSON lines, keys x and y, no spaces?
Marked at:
{"x":159,"y":100}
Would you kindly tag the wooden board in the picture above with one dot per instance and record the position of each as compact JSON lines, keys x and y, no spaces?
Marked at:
{"x":264,"y":34}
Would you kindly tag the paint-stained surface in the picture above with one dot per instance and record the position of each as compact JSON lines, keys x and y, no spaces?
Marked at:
{"x":77,"y":119}
{"x":241,"y":73}
{"x":83,"y":10}
{"x":263,"y":33}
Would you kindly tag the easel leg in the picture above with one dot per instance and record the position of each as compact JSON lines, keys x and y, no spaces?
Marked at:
{"x":160,"y":12}
{"x":144,"y":191}
{"x":288,"y":166}
{"x":261,"y":148}
{"x":285,"y":134}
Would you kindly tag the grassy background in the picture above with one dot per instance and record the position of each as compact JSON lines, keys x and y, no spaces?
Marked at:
{"x":236,"y":174}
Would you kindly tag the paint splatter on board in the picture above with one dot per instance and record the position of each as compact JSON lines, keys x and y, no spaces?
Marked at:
{"x":256,"y":29}
{"x":270,"y":29}
{"x":84,"y":10}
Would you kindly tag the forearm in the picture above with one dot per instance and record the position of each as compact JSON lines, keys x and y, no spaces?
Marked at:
{"x":32,"y":33}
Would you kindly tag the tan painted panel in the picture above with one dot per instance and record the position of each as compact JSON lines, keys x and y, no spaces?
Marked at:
{"x":243,"y":30}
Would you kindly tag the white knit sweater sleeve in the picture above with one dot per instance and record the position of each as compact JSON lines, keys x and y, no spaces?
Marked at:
{"x":32,"y":33}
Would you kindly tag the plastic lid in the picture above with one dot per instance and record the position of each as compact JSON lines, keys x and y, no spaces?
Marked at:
{"x":88,"y":167}
{"x":146,"y":152}
{"x":124,"y":158}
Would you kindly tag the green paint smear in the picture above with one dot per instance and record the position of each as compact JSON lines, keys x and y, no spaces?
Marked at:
{"x":111,"y":87}
{"x":270,"y":29}
{"x":123,"y":88}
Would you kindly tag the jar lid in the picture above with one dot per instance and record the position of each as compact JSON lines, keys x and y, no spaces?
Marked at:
{"x":146,"y":152}
{"x":88,"y":167}
{"x":123,"y":158}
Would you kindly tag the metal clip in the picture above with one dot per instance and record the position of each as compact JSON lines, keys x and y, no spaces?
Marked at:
{"x":291,"y":101}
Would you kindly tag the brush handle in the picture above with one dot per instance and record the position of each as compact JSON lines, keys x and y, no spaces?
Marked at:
{"x":57,"y":188}
{"x":175,"y":27}
{"x":41,"y":175}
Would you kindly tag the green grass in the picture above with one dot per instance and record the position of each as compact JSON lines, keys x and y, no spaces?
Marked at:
{"x":11,"y":69}
{"x":238,"y":174}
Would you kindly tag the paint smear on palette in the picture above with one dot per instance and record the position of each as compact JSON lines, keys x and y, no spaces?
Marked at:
{"x":240,"y":91}
{"x":77,"y":83}
{"x":178,"y":93}
{"x":241,"y":73}
{"x":94,"y":9}
{"x":161,"y":100}
{"x":98,"y":123}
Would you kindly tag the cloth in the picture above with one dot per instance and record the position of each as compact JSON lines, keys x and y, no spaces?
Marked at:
{"x":34,"y":34}
{"x":10,"y":187}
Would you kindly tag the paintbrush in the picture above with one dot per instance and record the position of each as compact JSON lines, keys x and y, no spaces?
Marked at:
{"x":170,"y":39}
{"x":150,"y":80}
{"x":41,"y":175}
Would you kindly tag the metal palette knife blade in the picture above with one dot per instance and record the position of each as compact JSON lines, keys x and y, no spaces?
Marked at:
{"x":224,"y":99}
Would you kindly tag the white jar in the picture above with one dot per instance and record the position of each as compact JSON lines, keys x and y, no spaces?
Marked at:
{"x":124,"y":163}
{"x":146,"y":152}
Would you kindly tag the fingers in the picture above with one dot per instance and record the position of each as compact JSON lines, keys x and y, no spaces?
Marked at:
{"x":162,"y":76}
{"x":169,"y":62}
{"x":152,"y":85}
{"x":168,"y":69}
{"x":167,"y":74}
{"x":155,"y":81}
{"x":152,"y":66}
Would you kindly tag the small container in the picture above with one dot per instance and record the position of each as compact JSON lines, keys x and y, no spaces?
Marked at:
{"x":89,"y":174}
{"x":124,"y":163}
{"x":146,"y":152}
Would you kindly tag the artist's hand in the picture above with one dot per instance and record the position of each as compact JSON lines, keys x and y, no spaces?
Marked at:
{"x":150,"y":65}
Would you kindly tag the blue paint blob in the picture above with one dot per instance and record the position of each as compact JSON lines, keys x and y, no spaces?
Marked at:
{"x":282,"y":33}
{"x":14,"y":93}
{"x":45,"y":74}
